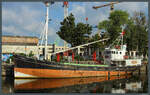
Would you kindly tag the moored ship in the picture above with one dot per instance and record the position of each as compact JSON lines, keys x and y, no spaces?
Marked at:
{"x":30,"y":68}
{"x":115,"y":63}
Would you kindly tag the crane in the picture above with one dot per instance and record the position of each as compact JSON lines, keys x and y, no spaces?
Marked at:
{"x":111,"y":4}
{"x":65,"y":5}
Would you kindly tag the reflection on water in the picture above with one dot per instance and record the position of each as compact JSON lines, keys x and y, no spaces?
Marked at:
{"x":114,"y":84}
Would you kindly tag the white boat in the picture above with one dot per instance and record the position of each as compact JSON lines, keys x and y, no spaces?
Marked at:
{"x":117,"y":55}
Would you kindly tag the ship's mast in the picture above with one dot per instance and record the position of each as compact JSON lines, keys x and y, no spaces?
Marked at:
{"x":122,"y":40}
{"x":122,"y":34}
{"x":46,"y":30}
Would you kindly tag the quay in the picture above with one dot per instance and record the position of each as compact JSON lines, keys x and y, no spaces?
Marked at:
{"x":8,"y":69}
{"x":142,"y":70}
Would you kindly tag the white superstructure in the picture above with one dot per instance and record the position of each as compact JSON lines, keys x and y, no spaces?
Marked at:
{"x":115,"y":54}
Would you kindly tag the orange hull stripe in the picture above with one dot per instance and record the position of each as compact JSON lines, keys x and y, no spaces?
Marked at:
{"x":60,"y":73}
{"x":64,"y":73}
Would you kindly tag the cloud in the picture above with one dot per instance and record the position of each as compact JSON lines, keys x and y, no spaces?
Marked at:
{"x":85,"y":10}
{"x":25,"y":19}
{"x":130,"y":7}
{"x":78,"y":11}
{"x":28,"y":19}
{"x":10,"y":30}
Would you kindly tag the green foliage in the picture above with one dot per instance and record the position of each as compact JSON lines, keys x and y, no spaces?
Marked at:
{"x":113,"y":26}
{"x":75,"y":34}
{"x":7,"y":61}
{"x":118,"y":17}
{"x":96,"y":45}
{"x":22,"y":54}
{"x":136,"y":30}
{"x":31,"y":54}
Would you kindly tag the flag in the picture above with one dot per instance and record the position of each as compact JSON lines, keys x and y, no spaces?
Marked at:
{"x":86,"y":18}
{"x":65,"y":3}
{"x":123,"y":32}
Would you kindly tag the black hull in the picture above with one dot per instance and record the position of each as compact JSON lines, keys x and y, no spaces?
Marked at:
{"x":24,"y":62}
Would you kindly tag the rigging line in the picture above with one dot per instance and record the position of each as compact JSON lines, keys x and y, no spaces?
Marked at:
{"x":43,"y":35}
{"x":118,"y":41}
{"x":40,"y":24}
{"x":113,"y":42}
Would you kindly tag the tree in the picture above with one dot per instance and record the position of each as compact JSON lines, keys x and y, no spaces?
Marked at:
{"x":75,"y":34}
{"x":130,"y":35}
{"x":96,"y":37}
{"x":113,"y":26}
{"x":137,"y":28}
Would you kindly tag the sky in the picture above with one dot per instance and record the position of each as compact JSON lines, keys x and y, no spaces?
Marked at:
{"x":28,"y":18}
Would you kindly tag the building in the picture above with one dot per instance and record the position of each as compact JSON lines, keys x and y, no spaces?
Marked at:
{"x":24,"y":45}
{"x":19,"y":44}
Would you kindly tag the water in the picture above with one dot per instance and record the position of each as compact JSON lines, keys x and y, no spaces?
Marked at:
{"x":115,"y":84}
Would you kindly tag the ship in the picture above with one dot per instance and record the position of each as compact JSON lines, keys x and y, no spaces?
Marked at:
{"x":115,"y":63}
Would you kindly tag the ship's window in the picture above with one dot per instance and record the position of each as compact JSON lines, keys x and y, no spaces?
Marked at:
{"x":107,"y":52}
{"x":116,"y":52}
{"x":120,"y":52}
{"x":112,"y":52}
